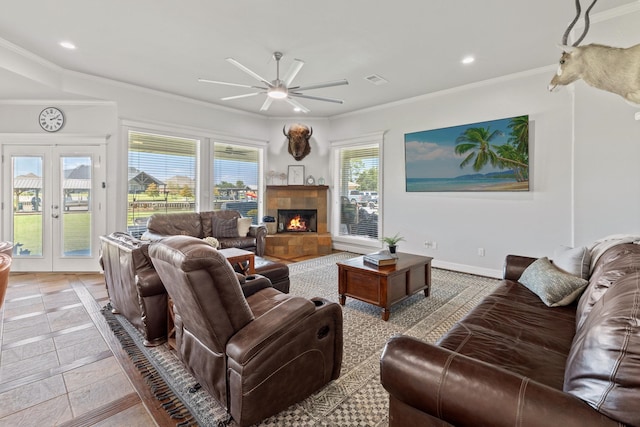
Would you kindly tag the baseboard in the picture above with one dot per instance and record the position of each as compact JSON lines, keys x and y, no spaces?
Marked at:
{"x":463,"y":268}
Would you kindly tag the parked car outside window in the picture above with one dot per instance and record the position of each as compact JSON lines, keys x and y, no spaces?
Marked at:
{"x":356,"y":196}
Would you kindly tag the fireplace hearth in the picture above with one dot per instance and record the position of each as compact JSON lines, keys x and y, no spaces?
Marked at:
{"x":297,"y":220}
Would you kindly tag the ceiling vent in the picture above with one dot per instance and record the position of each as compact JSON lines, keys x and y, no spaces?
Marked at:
{"x":376,"y":79}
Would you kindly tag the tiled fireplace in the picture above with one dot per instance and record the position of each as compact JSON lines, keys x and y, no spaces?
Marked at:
{"x":301,"y":212}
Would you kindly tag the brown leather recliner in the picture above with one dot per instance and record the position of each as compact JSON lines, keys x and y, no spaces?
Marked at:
{"x":255,"y":355}
{"x":134,"y":287}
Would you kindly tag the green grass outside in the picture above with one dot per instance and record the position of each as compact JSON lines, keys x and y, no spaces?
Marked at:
{"x":27,"y":230}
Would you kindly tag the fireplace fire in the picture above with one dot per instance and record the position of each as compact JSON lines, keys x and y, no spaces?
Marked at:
{"x":297,"y":220}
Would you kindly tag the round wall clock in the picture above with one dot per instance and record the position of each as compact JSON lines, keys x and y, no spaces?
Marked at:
{"x":51,"y":119}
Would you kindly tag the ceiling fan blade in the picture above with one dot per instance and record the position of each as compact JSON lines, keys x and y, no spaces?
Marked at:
{"x":246,"y":95}
{"x":293,"y":71}
{"x":226,"y":83}
{"x":248,"y":71}
{"x":267,"y":104}
{"x":297,"y":105}
{"x":317,"y":98}
{"x":320,"y":85}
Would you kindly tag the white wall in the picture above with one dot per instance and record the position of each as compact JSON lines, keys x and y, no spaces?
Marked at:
{"x":531,"y":223}
{"x":607,"y":140}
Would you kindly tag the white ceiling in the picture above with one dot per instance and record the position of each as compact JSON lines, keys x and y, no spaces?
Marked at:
{"x":416,"y":45}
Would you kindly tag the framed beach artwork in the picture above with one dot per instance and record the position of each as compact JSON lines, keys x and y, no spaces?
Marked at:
{"x":485,"y":156}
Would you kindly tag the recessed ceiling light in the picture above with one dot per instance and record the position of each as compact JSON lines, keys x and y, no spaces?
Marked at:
{"x":468,"y":59}
{"x":68,"y":45}
{"x":297,"y":109}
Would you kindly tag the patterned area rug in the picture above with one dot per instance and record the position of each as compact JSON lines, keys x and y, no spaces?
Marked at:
{"x":356,"y":398}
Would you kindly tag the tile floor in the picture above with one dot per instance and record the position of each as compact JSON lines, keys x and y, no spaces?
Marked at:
{"x":56,"y":365}
{"x":60,"y":365}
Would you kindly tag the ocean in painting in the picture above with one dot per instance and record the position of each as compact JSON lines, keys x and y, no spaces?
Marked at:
{"x":465,"y":184}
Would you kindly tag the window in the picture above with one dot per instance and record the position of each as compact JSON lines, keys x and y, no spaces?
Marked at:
{"x":236,"y":186}
{"x":358,"y":181}
{"x":161,"y":177}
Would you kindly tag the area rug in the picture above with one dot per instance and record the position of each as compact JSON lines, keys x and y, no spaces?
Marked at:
{"x":354,"y":399}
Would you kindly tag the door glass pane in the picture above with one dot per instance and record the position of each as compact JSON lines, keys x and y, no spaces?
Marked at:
{"x":27,"y":205}
{"x":235,"y":179}
{"x":76,"y":209}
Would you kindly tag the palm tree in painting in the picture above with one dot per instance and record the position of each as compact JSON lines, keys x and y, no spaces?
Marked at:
{"x":477,"y":143}
{"x":519,"y":137}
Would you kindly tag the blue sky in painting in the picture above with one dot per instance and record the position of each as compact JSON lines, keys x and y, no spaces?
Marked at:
{"x":430,"y":153}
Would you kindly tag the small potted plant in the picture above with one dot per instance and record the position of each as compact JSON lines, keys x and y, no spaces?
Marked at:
{"x":392,"y":242}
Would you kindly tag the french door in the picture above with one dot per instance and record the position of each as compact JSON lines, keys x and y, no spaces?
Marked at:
{"x":54,"y":200}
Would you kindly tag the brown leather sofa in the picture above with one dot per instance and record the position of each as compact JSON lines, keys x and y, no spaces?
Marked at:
{"x":513,"y":361}
{"x":219,"y":224}
{"x":255,"y":355}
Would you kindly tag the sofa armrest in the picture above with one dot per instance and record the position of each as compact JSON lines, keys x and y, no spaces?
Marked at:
{"x":253,"y":283}
{"x":514,"y":265}
{"x":467,"y":392}
{"x":260,"y":233}
{"x":264,"y":330}
{"x":152,"y":236}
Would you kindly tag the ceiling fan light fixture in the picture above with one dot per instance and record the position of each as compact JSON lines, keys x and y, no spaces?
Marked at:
{"x":277,"y":92}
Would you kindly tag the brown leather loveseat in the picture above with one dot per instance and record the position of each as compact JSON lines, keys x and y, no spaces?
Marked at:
{"x":514,"y":361}
{"x":225,"y":225}
{"x":255,"y":355}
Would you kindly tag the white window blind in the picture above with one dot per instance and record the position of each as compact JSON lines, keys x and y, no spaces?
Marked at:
{"x":359,"y":190}
{"x":235,"y":178}
{"x":162,"y":177}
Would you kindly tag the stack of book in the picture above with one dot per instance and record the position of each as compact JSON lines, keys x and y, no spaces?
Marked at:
{"x":380,"y":259}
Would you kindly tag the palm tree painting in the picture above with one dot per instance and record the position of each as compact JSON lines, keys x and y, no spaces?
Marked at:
{"x":486,"y":156}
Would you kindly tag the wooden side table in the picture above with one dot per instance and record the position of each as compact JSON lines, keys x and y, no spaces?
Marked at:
{"x":235,"y":255}
{"x":387,"y":285}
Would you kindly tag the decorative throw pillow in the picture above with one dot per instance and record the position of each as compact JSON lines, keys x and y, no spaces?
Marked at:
{"x":554,"y":286}
{"x":574,"y":261}
{"x":221,"y":227}
{"x":212,"y":241}
{"x":243,"y":226}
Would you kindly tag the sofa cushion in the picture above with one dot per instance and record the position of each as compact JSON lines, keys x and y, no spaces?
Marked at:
{"x":176,"y":224}
{"x":602,"y":367}
{"x":244,"y":224}
{"x":613,"y":264}
{"x":555,"y":287}
{"x":576,"y":261}
{"x":223,"y":227}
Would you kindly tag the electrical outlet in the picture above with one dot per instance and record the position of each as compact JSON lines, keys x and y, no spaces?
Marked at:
{"x":427,"y":244}
{"x":480,"y":251}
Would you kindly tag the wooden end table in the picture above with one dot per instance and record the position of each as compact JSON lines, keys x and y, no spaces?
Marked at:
{"x":386,"y":285}
{"x":235,"y":255}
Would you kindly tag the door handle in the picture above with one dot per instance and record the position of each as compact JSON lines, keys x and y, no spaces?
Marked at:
{"x":54,"y":215}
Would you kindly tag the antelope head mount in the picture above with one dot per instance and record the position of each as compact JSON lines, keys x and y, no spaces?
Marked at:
{"x":612,"y":69}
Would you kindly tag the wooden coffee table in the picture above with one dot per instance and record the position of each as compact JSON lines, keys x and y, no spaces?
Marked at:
{"x":384,"y":286}
{"x":235,"y":255}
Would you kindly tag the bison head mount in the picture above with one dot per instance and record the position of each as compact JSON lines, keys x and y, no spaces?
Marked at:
{"x":298,"y":140}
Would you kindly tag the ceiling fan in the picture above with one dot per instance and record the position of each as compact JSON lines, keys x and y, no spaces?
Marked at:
{"x":279,"y":89}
